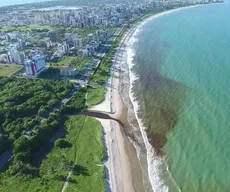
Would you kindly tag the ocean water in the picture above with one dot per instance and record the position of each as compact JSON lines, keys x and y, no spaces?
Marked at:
{"x":181,"y":63}
{"x":14,"y":2}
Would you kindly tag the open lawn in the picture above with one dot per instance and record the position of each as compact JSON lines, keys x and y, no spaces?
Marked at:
{"x":27,"y":28}
{"x":95,"y":95}
{"x":82,"y":33}
{"x":8,"y":69}
{"x":77,"y":62}
{"x":83,"y":147}
{"x":89,"y":151}
{"x":85,"y":151}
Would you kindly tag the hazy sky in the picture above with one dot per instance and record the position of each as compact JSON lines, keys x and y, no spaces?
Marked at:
{"x":13,"y":2}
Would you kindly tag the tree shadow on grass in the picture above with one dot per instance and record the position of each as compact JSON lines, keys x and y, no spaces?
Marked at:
{"x":61,"y":178}
{"x":80,"y":170}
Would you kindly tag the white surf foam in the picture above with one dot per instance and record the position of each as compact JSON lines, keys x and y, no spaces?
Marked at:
{"x":156,"y":164}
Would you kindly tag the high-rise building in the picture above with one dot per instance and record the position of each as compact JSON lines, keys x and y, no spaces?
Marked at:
{"x":68,"y":37}
{"x":80,"y":44}
{"x":65,"y":48}
{"x":34,"y":65}
{"x":16,"y":56}
{"x":91,"y":37}
{"x":19,"y":57}
{"x":77,"y":43}
{"x":54,"y":36}
{"x":21,"y":44}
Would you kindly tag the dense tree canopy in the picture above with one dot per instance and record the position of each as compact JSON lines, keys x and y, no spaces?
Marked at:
{"x":76,"y":103}
{"x":23,"y":101}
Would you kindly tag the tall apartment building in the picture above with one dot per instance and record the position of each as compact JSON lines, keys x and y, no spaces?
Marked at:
{"x":54,"y":36}
{"x":34,"y":65}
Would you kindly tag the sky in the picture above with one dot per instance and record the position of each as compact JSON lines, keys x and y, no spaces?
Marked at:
{"x":13,"y":2}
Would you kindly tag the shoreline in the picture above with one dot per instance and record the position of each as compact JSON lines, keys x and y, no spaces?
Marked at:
{"x":120,"y":174}
{"x":155,"y":163}
{"x":122,"y":157}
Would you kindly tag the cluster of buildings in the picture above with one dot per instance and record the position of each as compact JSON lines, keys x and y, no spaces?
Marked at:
{"x":72,"y":43}
{"x":33,"y":47}
{"x":15,"y":47}
{"x":20,"y":46}
{"x":13,"y":53}
{"x":85,"y":16}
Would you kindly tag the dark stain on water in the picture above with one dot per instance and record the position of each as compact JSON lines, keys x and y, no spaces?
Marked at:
{"x":161,"y":104}
{"x":161,"y":99}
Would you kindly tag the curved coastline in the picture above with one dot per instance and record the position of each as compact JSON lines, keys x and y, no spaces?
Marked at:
{"x":157,"y":166}
{"x":123,"y":171}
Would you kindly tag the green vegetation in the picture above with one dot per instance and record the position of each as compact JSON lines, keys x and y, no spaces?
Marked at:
{"x":96,"y":89}
{"x":88,"y":174}
{"x":76,"y":103}
{"x":24,"y":105}
{"x":77,"y":62}
{"x":95,"y":95}
{"x":61,"y":143}
{"x":38,"y":43}
{"x":82,"y":33}
{"x":8,"y":69}
{"x":29,"y":28}
{"x":102,"y":73}
{"x":24,"y":101}
{"x":83,"y":154}
{"x":26,"y":145}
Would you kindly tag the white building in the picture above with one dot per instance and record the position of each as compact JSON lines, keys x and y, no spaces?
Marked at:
{"x":16,"y":56}
{"x":65,"y":48}
{"x":49,"y":44}
{"x":86,"y":53}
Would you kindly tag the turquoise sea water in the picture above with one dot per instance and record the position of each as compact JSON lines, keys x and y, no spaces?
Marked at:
{"x":183,"y":63}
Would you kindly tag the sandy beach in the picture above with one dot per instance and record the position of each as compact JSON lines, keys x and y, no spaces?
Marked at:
{"x":123,"y":168}
{"x":121,"y":154}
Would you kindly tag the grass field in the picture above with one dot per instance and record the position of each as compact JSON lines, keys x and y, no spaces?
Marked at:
{"x":75,"y":61}
{"x":8,"y":69}
{"x":89,"y":174}
{"x":82,"y":33}
{"x":85,"y":150}
{"x":26,"y":28}
{"x":95,"y":95}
